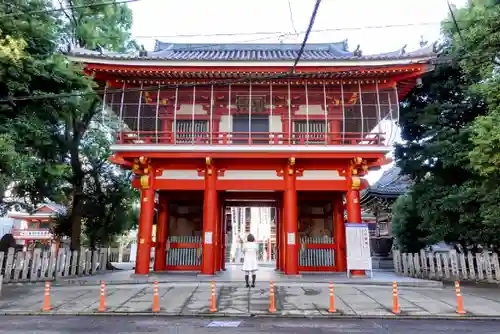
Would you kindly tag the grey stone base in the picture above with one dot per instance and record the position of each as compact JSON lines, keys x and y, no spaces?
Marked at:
{"x":385,"y":263}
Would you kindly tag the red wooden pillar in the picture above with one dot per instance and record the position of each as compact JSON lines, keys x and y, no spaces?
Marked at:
{"x":282,"y":237}
{"x":161,"y":234}
{"x":335,"y":125}
{"x":209,"y":220}
{"x":277,"y":237}
{"x":290,"y":215}
{"x":268,"y":251}
{"x":145,"y":226}
{"x":217,"y":237}
{"x":223,"y":237}
{"x":339,"y":233}
{"x":354,"y":209}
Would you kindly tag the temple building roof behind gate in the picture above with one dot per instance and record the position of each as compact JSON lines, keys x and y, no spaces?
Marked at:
{"x":380,"y":196}
{"x":254,"y":52}
{"x":390,"y":185}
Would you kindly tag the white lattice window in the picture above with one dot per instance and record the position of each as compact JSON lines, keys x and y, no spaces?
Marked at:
{"x":310,"y":131}
{"x":188,"y":131}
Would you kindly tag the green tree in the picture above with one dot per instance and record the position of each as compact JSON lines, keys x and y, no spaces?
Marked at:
{"x":29,"y":66}
{"x":109,"y":197}
{"x":406,"y":225}
{"x":87,"y":24}
{"x":452,"y":142}
{"x":479,"y":38}
{"x":434,"y":120}
{"x":51,"y":133}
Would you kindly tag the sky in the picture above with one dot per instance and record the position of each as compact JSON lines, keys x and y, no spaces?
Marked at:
{"x":376,"y":25}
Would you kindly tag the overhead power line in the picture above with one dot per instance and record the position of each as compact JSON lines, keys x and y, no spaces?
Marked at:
{"x":61,"y":9}
{"x":224,"y":82}
{"x":270,"y":34}
{"x":306,"y":37}
{"x":384,"y":26}
{"x":291,"y":16}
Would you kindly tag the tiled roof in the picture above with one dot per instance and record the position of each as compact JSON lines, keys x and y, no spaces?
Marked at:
{"x":57,"y":208}
{"x":253,"y":52}
{"x":390,"y":185}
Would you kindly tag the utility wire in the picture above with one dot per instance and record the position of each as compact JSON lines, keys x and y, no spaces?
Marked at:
{"x":240,"y":80}
{"x":384,"y":26}
{"x":455,"y":22}
{"x":282,"y":33}
{"x":291,"y":17}
{"x":285,"y":34}
{"x":61,"y":9}
{"x":306,"y":37}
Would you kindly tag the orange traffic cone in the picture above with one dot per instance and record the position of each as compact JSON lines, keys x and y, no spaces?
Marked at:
{"x":102,"y":308}
{"x":395,"y":299}
{"x":46,"y":302}
{"x":332,"y":309}
{"x":213,"y":307}
{"x":156,"y":301}
{"x":272,"y":305}
{"x":460,"y":302}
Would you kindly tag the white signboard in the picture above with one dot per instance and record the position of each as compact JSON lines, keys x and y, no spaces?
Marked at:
{"x":291,"y":238}
{"x":358,"y":248}
{"x":208,"y":238}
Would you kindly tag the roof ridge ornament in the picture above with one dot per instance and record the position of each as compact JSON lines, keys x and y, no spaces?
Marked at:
{"x":436,"y":48}
{"x":358,"y":52}
{"x":345,"y":45}
{"x":99,"y":49}
{"x":143,"y":52}
{"x":402,"y":52}
{"x":422,"y":42}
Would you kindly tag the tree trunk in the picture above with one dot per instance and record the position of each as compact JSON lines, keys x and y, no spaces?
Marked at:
{"x":78,"y":196}
{"x":76,"y":218}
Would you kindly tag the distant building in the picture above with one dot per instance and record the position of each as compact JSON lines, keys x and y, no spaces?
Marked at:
{"x":377,"y":201}
{"x":34,"y":229}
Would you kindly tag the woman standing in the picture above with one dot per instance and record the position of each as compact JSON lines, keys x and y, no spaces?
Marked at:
{"x":250,"y":259}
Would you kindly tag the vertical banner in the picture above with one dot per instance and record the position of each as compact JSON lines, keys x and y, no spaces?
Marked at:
{"x":358,"y":248}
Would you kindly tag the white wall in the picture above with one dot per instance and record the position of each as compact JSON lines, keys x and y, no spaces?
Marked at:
{"x":6,"y":224}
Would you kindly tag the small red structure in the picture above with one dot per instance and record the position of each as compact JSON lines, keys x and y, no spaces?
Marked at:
{"x":205,"y":126}
{"x":35,"y":227}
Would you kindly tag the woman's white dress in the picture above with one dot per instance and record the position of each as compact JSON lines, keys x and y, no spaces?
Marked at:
{"x":250,"y":257}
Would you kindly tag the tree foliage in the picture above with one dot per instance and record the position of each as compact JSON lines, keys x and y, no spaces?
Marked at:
{"x":90,"y":25}
{"x":30,"y":66}
{"x":49,"y":146}
{"x":451,"y":146}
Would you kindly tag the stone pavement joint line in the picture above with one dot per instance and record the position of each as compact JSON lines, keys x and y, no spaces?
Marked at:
{"x":308,"y":300}
{"x":234,"y":274}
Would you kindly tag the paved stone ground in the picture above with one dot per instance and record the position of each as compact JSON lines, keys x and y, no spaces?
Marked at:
{"x":190,"y":325}
{"x":292,"y":299}
{"x":235,"y":274}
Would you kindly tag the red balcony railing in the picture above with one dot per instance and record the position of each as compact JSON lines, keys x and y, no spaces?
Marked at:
{"x":253,"y":138}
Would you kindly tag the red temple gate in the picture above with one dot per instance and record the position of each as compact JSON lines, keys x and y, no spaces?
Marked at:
{"x":202,"y":126}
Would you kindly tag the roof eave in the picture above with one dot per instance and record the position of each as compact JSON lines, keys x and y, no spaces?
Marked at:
{"x":361,"y":61}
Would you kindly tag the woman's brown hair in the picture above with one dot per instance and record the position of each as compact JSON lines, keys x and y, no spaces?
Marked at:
{"x":250,"y":238}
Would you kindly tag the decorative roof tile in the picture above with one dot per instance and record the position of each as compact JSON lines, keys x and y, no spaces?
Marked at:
{"x":390,"y":185}
{"x":252,"y":52}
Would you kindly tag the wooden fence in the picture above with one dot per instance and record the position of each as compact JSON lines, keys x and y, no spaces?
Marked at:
{"x":119,"y":255}
{"x":38,"y":265}
{"x":448,"y":265}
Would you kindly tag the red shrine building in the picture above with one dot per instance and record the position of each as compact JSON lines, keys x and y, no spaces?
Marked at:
{"x":35,"y":228}
{"x":205,"y":127}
